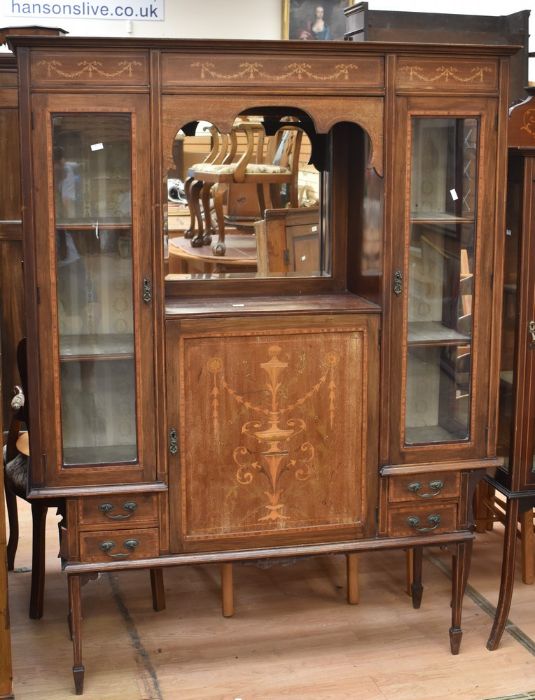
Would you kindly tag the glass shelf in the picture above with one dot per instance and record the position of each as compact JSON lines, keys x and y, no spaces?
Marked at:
{"x":435,"y":333}
{"x":439,"y":217}
{"x":97,"y":347}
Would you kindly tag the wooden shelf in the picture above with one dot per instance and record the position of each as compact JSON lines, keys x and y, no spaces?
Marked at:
{"x":92,"y":347}
{"x":435,"y":333}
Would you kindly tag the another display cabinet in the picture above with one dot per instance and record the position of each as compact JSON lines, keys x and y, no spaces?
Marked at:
{"x":262,"y":318}
{"x":515,"y":480}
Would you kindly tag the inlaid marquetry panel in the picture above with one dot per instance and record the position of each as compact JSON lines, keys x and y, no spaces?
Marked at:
{"x":272,"y":431}
{"x":106,"y":68}
{"x":521,"y":126}
{"x":279,"y":72}
{"x":445,"y":75}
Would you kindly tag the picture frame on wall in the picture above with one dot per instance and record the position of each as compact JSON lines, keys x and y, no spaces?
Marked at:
{"x":314,"y":21}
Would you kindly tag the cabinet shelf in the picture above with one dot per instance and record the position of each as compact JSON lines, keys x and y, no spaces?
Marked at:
{"x":91,"y":347}
{"x":435,"y":333}
{"x":437,"y":217}
{"x":91,"y":454}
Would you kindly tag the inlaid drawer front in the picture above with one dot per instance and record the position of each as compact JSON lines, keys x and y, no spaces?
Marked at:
{"x":105,"y":68}
{"x":411,"y":520}
{"x":470,"y":75}
{"x":134,"y":508}
{"x":424,"y":487}
{"x":118,"y":545}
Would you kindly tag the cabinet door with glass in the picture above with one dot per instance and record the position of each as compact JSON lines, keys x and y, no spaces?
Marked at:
{"x":441,"y":294}
{"x":93,"y":269}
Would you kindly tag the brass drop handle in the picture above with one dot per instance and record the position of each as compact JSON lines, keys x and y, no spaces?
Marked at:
{"x":128,"y":506}
{"x":531,"y":329}
{"x":435,"y":486}
{"x":433,"y":520}
{"x":108,"y":545}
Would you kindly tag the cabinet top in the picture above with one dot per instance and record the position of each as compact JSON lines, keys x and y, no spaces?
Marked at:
{"x":258,"y":46}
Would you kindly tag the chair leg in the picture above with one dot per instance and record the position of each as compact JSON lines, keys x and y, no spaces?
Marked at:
{"x":352,"y":567}
{"x":227,"y":589}
{"x":39,"y":512}
{"x":190,"y":232}
{"x":507,"y":576}
{"x":75,"y":611}
{"x":220,"y":248}
{"x":157,"y":588}
{"x":528,"y":542}
{"x":196,"y":190}
{"x":13,"y":518}
{"x":208,"y":228}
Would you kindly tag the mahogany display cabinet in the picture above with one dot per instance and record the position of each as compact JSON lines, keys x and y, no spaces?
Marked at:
{"x":192,"y":409}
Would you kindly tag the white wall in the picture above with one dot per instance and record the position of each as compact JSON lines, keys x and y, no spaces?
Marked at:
{"x":254,"y":19}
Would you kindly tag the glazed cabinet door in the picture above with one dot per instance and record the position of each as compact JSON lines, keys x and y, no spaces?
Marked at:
{"x":273,"y":430}
{"x":93,"y":268}
{"x":441,"y":276}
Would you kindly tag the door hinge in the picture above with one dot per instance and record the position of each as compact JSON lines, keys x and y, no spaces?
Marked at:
{"x":173,"y":441}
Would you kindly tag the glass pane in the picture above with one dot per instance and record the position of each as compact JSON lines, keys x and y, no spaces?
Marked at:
{"x":92,"y":187}
{"x":250,"y":203}
{"x":441,"y":279}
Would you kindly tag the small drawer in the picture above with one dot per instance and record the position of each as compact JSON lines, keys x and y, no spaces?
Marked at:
{"x":119,"y":545}
{"x":424,"y":487}
{"x":411,"y":520}
{"x":134,"y":508}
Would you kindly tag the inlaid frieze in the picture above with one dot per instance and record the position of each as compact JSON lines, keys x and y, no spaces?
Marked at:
{"x":282,"y":72}
{"x":103,"y":68}
{"x":459,"y":75}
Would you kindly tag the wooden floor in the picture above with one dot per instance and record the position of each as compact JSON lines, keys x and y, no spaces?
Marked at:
{"x":293,"y":635}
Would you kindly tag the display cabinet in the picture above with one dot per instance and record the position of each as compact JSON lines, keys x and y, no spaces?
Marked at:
{"x":334,"y":393}
{"x":515,"y":480}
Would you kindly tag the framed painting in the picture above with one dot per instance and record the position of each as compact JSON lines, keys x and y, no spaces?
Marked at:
{"x":313,"y":21}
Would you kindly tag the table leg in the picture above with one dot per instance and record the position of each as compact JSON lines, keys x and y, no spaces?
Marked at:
{"x":227,"y":589}
{"x":353,"y":594}
{"x":416,"y":582}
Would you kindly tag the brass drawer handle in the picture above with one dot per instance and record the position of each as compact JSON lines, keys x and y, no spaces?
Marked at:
{"x":435,"y":486}
{"x":433,"y":520}
{"x":108,"y":545}
{"x":129,"y":506}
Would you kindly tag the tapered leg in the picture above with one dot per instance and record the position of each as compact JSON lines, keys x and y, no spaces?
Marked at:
{"x":528,"y":543}
{"x":39,"y":512}
{"x":13,"y":518}
{"x":508,"y":575}
{"x":461,"y":566}
{"x":416,"y":584}
{"x":408,"y":570}
{"x":157,"y":588}
{"x":75,"y":607}
{"x":227,"y":589}
{"x":353,"y":593}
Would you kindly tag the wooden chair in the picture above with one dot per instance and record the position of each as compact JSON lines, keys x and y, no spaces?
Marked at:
{"x":279,"y":166}
{"x":16,"y":469}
